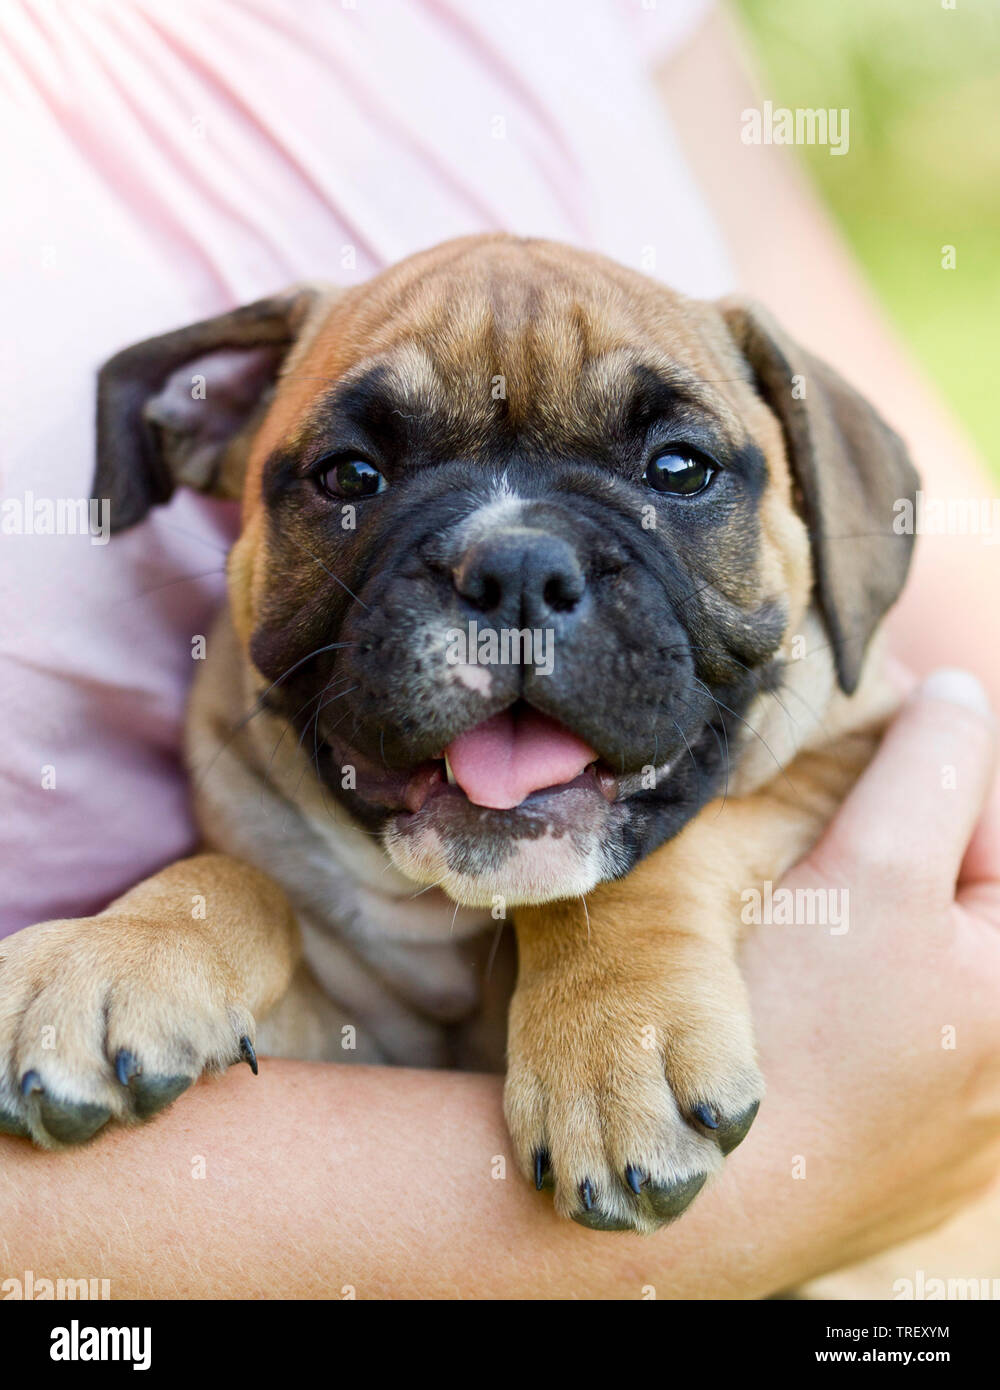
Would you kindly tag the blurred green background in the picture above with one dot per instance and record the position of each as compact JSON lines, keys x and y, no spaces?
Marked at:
{"x":922,"y":84}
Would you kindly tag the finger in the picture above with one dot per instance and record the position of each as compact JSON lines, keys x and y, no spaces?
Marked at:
{"x":917,"y":803}
{"x":900,"y":677}
{"x":982,"y":858}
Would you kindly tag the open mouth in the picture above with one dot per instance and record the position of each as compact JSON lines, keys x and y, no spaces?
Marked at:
{"x":518,"y":809}
{"x":500,"y":763}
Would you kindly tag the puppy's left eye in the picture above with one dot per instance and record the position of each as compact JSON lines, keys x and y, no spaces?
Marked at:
{"x":682,"y":472}
{"x":349,"y":479}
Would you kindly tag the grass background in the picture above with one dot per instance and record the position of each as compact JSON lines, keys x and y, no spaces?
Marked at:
{"x":922,"y":84}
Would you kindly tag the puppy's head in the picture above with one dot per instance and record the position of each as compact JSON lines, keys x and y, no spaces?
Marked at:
{"x":525,"y":535}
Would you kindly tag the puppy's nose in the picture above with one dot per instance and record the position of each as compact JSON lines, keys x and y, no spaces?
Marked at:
{"x":521,"y":578}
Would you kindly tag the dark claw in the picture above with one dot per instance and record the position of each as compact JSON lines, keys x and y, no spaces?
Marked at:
{"x":151,"y":1094}
{"x":247,"y":1054}
{"x":70,"y":1123}
{"x":708,"y":1117}
{"x":587,"y":1194}
{"x":669,"y":1202}
{"x":541,"y":1168}
{"x":597,"y":1220}
{"x":635,"y":1177}
{"x":31,"y":1083}
{"x":126,"y":1067}
{"x":10,"y":1124}
{"x":733,"y":1132}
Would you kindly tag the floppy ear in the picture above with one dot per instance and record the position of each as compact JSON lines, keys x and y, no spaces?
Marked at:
{"x":181,"y":408}
{"x":851,"y":470}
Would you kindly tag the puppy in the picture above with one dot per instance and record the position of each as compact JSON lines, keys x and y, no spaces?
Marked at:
{"x":553,"y":598}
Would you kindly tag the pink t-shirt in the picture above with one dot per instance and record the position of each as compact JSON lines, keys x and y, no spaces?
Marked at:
{"x":163,"y":160}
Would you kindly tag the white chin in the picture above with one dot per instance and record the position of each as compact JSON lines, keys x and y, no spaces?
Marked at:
{"x":542,"y":869}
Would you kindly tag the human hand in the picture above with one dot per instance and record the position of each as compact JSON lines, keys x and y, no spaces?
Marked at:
{"x":882,"y":1045}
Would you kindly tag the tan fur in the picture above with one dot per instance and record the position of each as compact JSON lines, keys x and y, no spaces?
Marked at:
{"x":176,"y":971}
{"x":630,"y":1009}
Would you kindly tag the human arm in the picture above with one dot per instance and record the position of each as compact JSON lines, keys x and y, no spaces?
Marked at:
{"x":319,"y":1179}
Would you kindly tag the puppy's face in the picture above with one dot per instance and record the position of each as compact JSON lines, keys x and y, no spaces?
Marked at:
{"x":520,"y":548}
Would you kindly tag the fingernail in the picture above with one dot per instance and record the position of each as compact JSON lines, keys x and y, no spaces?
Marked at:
{"x":959,"y":688}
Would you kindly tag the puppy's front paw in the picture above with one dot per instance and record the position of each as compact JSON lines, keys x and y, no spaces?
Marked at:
{"x":109,"y":1018}
{"x":624,"y":1105}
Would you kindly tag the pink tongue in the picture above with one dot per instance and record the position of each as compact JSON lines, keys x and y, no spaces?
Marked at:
{"x":501,"y":761}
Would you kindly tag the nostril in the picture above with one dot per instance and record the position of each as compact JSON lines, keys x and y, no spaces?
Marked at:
{"x":490,"y":593}
{"x":559,"y":595}
{"x":481,"y":589}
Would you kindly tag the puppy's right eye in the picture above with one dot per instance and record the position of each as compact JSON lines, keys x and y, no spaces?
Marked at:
{"x":349,"y":479}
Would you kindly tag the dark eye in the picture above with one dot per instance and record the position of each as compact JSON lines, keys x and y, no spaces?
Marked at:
{"x":350,"y":479}
{"x":682,"y":472}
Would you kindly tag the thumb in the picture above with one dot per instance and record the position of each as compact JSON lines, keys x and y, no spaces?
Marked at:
{"x":918,"y":801}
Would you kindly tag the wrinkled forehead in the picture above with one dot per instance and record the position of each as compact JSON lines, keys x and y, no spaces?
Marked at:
{"x":504,"y":352}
